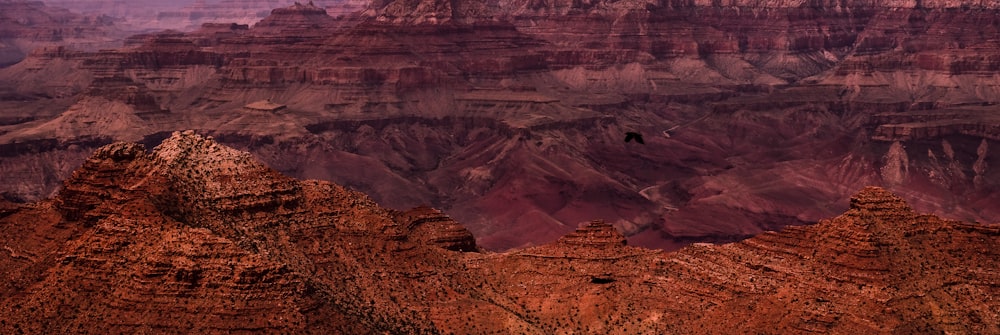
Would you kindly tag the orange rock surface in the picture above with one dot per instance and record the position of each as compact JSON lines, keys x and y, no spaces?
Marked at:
{"x":196,"y":237}
{"x":510,"y":115}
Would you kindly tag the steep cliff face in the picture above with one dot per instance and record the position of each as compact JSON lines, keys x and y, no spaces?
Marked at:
{"x":197,"y":237}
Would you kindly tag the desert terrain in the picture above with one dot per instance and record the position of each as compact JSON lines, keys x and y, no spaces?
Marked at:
{"x":196,"y":237}
{"x":510,"y":116}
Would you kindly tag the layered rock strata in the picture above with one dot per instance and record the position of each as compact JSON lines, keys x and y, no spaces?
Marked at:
{"x":433,"y":227}
{"x":26,"y":25}
{"x":509,"y":115}
{"x":197,"y":237}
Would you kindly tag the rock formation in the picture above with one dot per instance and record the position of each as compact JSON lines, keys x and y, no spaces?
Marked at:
{"x":26,"y":25}
{"x":198,"y":237}
{"x":150,"y":15}
{"x":508,"y":114}
{"x":297,"y":19}
{"x":432,"y":227}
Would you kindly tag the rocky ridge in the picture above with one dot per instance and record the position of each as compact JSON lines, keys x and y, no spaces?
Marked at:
{"x":781,"y":110}
{"x":197,"y":237}
{"x":297,"y":18}
{"x":432,"y":227}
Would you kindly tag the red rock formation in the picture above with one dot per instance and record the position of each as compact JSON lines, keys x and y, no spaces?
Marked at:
{"x":509,"y":115}
{"x":295,"y":20}
{"x":877,"y":256}
{"x":97,"y":180}
{"x":197,"y":237}
{"x":596,"y":234}
{"x":431,"y":226}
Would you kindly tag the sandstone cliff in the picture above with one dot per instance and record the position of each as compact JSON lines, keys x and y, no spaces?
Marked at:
{"x":198,"y":237}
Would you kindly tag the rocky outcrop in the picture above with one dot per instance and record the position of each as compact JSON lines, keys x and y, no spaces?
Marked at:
{"x":432,"y":227}
{"x":198,"y":237}
{"x":433,"y":12}
{"x":208,"y":217}
{"x":295,"y":20}
{"x":595,"y":234}
{"x":896,"y":166}
{"x":867,"y":255}
{"x":97,"y":180}
{"x":127,"y":91}
{"x":935,"y":130}
{"x":594,"y":240}
{"x":509,"y":115}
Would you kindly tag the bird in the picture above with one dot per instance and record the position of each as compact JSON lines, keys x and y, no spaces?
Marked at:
{"x":629,"y":136}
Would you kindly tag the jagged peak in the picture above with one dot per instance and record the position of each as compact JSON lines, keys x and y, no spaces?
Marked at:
{"x":595,"y":233}
{"x":99,"y":178}
{"x":433,"y":227}
{"x":592,"y":240}
{"x":877,"y":202}
{"x":119,"y":151}
{"x":187,"y":149}
{"x":205,"y":180}
{"x":876,"y":218}
{"x":201,"y":168}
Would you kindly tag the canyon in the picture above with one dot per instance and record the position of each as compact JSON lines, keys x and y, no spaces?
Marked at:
{"x":510,"y":116}
{"x":196,"y":237}
{"x":147,"y":15}
{"x":29,"y":25}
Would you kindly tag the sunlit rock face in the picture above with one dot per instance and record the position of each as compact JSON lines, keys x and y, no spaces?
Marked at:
{"x":510,"y":116}
{"x":196,"y":237}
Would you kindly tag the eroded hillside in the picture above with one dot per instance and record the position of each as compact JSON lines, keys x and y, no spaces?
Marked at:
{"x":511,"y":116}
{"x":196,"y":237}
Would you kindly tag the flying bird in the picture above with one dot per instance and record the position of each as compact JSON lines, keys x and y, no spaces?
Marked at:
{"x":629,"y":136}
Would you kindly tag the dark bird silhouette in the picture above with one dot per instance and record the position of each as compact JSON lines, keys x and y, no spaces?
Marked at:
{"x":629,"y":136}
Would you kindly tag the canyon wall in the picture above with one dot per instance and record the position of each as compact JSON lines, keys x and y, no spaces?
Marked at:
{"x":511,"y":116}
{"x":193,"y":236}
